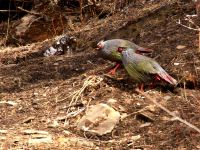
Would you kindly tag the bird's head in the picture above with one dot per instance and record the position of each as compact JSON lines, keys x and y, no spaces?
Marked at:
{"x":121,"y":49}
{"x":100,"y":45}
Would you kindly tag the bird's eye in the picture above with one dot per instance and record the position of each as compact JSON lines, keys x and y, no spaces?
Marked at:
{"x":120,"y":49}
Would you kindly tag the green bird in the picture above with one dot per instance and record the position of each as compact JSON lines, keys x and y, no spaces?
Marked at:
{"x":143,"y":69}
{"x":108,"y":50}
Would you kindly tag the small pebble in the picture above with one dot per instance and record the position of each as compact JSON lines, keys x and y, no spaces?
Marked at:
{"x":167,"y":97}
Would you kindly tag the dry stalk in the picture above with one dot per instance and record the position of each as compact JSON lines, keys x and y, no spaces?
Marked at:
{"x":61,"y":21}
{"x":185,"y":94}
{"x":199,"y":39}
{"x":30,"y":12}
{"x":7,"y":31}
{"x":191,"y":22}
{"x":90,"y":81}
{"x":53,"y":26}
{"x":8,"y":11}
{"x":81,"y":9}
{"x":168,"y":111}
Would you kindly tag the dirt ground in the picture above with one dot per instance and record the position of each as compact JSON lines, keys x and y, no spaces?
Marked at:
{"x":35,"y":91}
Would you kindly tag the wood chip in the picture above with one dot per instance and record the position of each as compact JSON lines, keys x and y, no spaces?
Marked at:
{"x":28,"y":120}
{"x":145,"y":125}
{"x":180,"y":47}
{"x":11,"y":103}
{"x":40,"y":140}
{"x":28,"y":132}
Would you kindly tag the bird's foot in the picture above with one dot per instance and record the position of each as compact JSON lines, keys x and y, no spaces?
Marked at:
{"x":141,"y":87}
{"x":113,"y":71}
{"x":151,"y":85}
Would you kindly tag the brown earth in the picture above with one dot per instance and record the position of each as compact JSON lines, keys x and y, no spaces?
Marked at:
{"x":43,"y":87}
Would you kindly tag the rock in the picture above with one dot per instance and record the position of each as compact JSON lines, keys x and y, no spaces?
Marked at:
{"x":147,"y":114}
{"x":99,"y":119}
{"x":167,"y":97}
{"x":176,"y":64}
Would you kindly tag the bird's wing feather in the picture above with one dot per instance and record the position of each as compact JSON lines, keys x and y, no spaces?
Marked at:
{"x":142,"y":63}
{"x":145,"y":65}
{"x":116,"y":55}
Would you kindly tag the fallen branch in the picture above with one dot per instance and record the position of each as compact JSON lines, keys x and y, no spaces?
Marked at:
{"x":168,"y":111}
{"x":30,"y":12}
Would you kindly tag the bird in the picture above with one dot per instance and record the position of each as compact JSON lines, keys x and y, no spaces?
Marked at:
{"x":108,"y":50}
{"x":143,"y":69}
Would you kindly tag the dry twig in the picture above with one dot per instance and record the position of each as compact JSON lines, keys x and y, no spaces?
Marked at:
{"x":30,"y":12}
{"x":81,"y":9}
{"x":168,"y":111}
{"x":191,"y":22}
{"x":8,"y":27}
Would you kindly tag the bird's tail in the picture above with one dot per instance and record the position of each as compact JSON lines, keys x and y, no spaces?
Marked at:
{"x":165,"y":76}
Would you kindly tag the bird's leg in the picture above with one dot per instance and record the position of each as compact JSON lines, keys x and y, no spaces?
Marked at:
{"x":152,"y":84}
{"x":157,"y":78}
{"x":141,"y":87}
{"x":112,"y":71}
